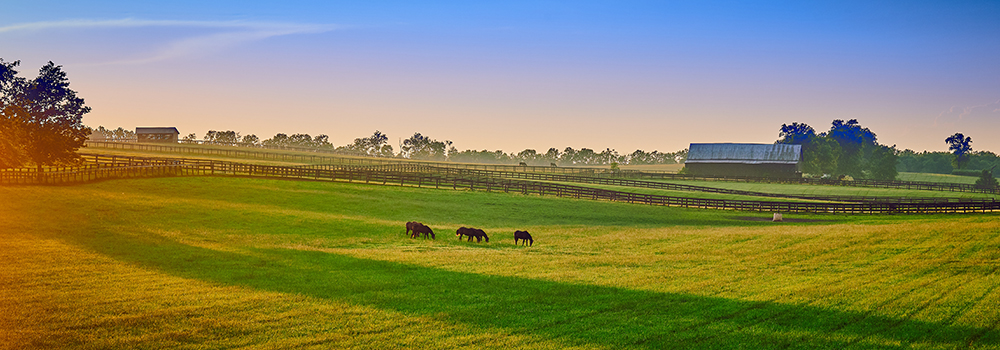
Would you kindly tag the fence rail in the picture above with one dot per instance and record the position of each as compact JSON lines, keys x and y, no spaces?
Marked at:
{"x":908,"y":185}
{"x":344,"y":159}
{"x":104,"y":167}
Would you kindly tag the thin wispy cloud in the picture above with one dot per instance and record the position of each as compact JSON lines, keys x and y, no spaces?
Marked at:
{"x":957,"y":113}
{"x":221,"y":35}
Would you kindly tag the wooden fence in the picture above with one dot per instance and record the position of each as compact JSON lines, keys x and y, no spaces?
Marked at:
{"x":614,"y":181}
{"x":106,"y":167}
{"x":908,"y":185}
{"x":331,"y":160}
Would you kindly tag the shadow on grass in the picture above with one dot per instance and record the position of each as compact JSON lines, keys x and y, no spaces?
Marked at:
{"x":575,"y":314}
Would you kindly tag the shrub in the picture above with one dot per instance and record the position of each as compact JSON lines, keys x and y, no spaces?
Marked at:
{"x":986,"y":180}
{"x":964,"y":172}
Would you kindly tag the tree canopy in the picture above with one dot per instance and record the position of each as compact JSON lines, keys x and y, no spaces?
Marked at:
{"x":960,"y":145}
{"x":41,"y":120}
{"x":847,"y":149}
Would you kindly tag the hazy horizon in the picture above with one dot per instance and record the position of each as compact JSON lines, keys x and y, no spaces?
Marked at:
{"x":526,"y":75}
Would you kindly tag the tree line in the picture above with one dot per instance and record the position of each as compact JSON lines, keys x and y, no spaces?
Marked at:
{"x":422,"y":147}
{"x":848,"y":149}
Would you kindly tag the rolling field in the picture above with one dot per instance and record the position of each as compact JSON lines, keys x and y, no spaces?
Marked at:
{"x":205,"y":262}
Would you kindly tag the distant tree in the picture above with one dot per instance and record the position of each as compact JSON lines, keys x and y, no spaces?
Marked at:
{"x":924,"y":162}
{"x":299,"y":141}
{"x":528,"y":156}
{"x":117,"y":135}
{"x":641,"y":157}
{"x":986,"y":180}
{"x":960,"y":145}
{"x":422,"y":147}
{"x":375,"y":145}
{"x":321,"y":141}
{"x":608,"y":156}
{"x":278,"y":140}
{"x":227,"y":138}
{"x":41,"y":119}
{"x":250,"y":140}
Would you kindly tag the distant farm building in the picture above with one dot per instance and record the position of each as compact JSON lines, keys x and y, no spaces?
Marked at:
{"x":743,"y":159}
{"x":159,"y":134}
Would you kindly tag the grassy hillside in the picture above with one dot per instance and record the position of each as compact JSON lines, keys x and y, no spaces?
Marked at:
{"x":229,"y":262}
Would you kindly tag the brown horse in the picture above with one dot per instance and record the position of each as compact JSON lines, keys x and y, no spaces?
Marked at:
{"x":418,"y":229}
{"x":409,"y":226}
{"x":524,"y":236}
{"x":472,"y":232}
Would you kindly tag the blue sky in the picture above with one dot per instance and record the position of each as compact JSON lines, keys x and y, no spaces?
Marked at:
{"x":514,"y":75}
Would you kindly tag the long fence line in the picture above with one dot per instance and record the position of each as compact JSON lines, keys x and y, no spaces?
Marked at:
{"x":374,"y":161}
{"x":129,"y":167}
{"x":420,"y":179}
{"x":641,"y":184}
{"x":331,"y":160}
{"x":908,"y":185}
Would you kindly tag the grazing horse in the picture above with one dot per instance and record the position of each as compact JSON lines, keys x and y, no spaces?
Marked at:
{"x":409,"y":226}
{"x":419,"y":228}
{"x":524,"y":236}
{"x":472,"y":232}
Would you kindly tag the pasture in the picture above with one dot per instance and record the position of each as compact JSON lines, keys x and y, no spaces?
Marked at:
{"x":211,"y":262}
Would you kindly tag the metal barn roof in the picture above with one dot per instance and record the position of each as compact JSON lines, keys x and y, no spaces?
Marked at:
{"x":744,"y":153}
{"x":156,"y":130}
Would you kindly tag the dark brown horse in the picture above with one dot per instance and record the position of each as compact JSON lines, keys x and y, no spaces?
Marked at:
{"x":409,"y":226}
{"x":418,"y":229}
{"x":472,"y":232}
{"x":524,"y":236}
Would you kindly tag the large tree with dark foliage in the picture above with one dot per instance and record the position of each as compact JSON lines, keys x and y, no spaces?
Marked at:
{"x":960,"y":145}
{"x":847,"y":149}
{"x":41,"y":120}
{"x":853,"y":141}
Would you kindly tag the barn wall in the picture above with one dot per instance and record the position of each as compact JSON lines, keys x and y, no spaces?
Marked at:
{"x":163,"y":138}
{"x":737,"y":169}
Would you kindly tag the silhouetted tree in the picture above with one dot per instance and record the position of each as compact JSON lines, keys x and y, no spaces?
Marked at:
{"x":960,"y":145}
{"x":374,"y":145}
{"x":250,"y":140}
{"x":41,"y":119}
{"x":227,"y":138}
{"x":422,"y":147}
{"x":796,"y":134}
{"x":116,"y":135}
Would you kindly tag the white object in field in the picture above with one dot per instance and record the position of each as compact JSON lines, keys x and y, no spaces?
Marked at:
{"x":777,"y":217}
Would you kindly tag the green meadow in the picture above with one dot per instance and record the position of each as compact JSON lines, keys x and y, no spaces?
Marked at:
{"x":220,"y":262}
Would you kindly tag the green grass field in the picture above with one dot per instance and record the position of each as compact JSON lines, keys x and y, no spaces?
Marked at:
{"x":826,"y":190}
{"x":924,"y":177}
{"x":203,"y":262}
